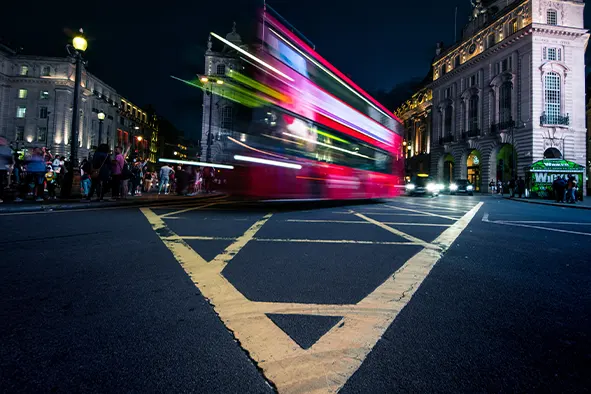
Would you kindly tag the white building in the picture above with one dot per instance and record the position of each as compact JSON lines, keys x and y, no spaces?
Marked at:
{"x":222,"y":122}
{"x":516,"y":79}
{"x":36,"y":98}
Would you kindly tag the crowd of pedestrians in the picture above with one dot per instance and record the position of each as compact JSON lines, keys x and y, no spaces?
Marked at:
{"x":565,"y":189}
{"x":39,"y":175}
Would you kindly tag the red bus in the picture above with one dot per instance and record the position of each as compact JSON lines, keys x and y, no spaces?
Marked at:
{"x":312,"y":133}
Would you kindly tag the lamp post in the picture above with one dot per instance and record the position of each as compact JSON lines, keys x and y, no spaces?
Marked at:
{"x":210,"y":82}
{"x":101,"y":117}
{"x":78,"y":46}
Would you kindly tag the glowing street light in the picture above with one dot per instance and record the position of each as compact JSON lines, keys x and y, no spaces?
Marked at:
{"x":101,"y":117}
{"x":79,"y":42}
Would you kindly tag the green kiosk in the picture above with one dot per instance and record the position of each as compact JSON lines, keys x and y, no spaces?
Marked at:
{"x":542,"y":173}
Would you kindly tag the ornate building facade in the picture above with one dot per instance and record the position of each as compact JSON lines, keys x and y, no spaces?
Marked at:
{"x":36,"y":97}
{"x":416,"y":115}
{"x":219,"y":112}
{"x":511,"y":92}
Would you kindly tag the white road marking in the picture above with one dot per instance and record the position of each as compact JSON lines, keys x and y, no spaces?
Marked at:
{"x":426,"y":213}
{"x":485,"y":218}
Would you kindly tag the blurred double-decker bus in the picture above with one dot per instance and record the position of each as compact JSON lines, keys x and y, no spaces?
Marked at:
{"x":312,"y":132}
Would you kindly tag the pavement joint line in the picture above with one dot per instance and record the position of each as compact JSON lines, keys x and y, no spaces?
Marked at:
{"x":337,"y":355}
{"x":426,"y":213}
{"x":228,"y":254}
{"x":386,"y":214}
{"x":397,"y":232}
{"x":365,"y":222}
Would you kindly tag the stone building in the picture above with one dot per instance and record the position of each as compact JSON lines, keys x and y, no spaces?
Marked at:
{"x":416,"y":115}
{"x":36,"y":98}
{"x":511,"y":91}
{"x":219,"y":113}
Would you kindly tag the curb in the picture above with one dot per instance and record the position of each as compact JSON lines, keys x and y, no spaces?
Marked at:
{"x":574,"y":206}
{"x":27,"y":207}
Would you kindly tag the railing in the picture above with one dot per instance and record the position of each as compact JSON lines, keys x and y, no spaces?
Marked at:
{"x":554,"y":120}
{"x":444,"y":140}
{"x":498,"y":127}
{"x":471,"y":133}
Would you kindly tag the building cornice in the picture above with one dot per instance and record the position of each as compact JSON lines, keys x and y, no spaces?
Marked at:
{"x":558,"y":30}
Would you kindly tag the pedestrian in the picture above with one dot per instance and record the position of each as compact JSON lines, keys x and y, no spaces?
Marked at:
{"x":85,"y":181}
{"x":500,"y":187}
{"x":147,"y":181}
{"x":136,"y":179}
{"x":165,"y":174}
{"x":512,"y":188}
{"x":117,"y":165}
{"x":36,"y":168}
{"x":520,"y":187}
{"x":560,"y":189}
{"x":51,"y":180}
{"x":100,"y":172}
{"x":570,"y":190}
{"x":6,"y":162}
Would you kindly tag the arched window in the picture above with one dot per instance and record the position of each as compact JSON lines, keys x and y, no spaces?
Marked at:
{"x":221,"y":69}
{"x":226,"y":117}
{"x":46,"y":71}
{"x":552,"y":98}
{"x":552,"y":17}
{"x":552,"y":153}
{"x":449,"y":110}
{"x":473,"y":113}
{"x":505,"y":102}
{"x":491,"y":40}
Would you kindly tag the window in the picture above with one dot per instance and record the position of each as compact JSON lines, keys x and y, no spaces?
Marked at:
{"x":506,"y":64}
{"x":552,"y":17}
{"x":505,"y":102}
{"x":221,"y":69}
{"x":45,"y":71}
{"x":43,"y":112}
{"x":513,"y":27}
{"x":497,"y":68}
{"x":473,"y":80}
{"x":449,"y":110}
{"x":41,"y":134}
{"x":447,"y":93}
{"x":457,"y":61}
{"x":227,"y":117}
{"x":551,"y":53}
{"x":22,"y":93}
{"x":44,"y":95}
{"x":559,"y":51}
{"x":21,"y":112}
{"x":491,"y":40}
{"x":20,"y":133}
{"x":24,"y":71}
{"x":552,"y":97}
{"x":444,"y":69}
{"x":473,"y":113}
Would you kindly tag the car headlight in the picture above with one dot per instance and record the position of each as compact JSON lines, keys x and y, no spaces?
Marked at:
{"x":431,"y":187}
{"x":453,"y":187}
{"x":470,"y":187}
{"x":410,"y":186}
{"x":440,"y":186}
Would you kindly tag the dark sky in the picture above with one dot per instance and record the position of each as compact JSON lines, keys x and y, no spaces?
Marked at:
{"x":135,"y":47}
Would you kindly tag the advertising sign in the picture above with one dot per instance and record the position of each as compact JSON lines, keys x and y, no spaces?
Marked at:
{"x":544,"y":172}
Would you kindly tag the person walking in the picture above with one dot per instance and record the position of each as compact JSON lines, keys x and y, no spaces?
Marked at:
{"x":520,"y":187}
{"x":117,"y":164}
{"x":36,"y":168}
{"x":100,"y":172}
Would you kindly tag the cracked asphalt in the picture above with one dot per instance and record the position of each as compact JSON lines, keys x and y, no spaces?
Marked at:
{"x":101,"y":301}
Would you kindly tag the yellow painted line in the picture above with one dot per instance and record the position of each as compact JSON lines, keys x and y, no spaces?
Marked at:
{"x":334,"y":358}
{"x":396,"y":231}
{"x":426,"y":213}
{"x":337,"y":241}
{"x":166,"y":215}
{"x":229,"y":253}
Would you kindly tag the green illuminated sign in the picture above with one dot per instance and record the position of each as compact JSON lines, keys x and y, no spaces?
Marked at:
{"x":544,"y":172}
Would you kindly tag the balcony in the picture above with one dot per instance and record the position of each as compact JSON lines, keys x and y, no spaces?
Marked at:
{"x":446,"y":140}
{"x":501,"y":126}
{"x":470,"y":134}
{"x":554,"y":120}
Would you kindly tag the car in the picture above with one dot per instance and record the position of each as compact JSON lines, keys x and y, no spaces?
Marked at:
{"x":422,"y":185}
{"x":461,"y":186}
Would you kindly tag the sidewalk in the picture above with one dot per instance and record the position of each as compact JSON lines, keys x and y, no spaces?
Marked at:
{"x":61,"y":205}
{"x":586,"y":204}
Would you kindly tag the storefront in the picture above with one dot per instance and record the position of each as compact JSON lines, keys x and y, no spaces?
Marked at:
{"x":543,"y":173}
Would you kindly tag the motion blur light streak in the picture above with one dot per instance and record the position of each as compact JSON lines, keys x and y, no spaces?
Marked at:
{"x":256,"y":59}
{"x":197,"y":163}
{"x":268,"y":162}
{"x":283,"y":139}
{"x":328,"y":146}
{"x":327,"y":135}
{"x":255,"y":149}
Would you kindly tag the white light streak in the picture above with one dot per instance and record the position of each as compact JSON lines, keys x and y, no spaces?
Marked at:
{"x":268,"y":162}
{"x":256,"y":59}
{"x":197,"y":163}
{"x":328,"y":146}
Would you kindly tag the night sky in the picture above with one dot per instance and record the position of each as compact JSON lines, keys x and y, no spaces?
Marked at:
{"x":135,"y":47}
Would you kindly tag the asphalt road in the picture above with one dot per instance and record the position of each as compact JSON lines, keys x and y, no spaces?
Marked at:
{"x":452,"y":294}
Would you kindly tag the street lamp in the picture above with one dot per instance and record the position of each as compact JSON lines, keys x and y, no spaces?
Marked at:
{"x":101,"y":117}
{"x":78,"y":46}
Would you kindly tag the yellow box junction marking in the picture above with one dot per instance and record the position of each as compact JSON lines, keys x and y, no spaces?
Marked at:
{"x":331,"y":361}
